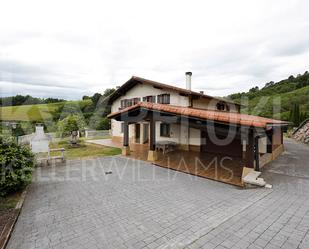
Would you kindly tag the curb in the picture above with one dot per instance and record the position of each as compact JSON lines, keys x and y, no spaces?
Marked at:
{"x":6,"y":234}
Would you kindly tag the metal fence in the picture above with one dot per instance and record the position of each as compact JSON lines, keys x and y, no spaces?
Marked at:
{"x":97,"y":133}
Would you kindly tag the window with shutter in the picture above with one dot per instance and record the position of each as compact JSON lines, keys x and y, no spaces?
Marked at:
{"x":164,"y":98}
{"x":151,"y":99}
{"x":165,"y":130}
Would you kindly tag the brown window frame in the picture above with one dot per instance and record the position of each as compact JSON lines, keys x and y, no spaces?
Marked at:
{"x":164,"y":98}
{"x":149,"y":99}
{"x":221,"y":106}
{"x":124,"y":103}
{"x":165,"y":132}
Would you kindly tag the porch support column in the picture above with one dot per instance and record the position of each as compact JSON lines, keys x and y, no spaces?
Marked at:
{"x":250,"y":150}
{"x":152,"y":153}
{"x":126,"y":147}
{"x":141,"y":134}
{"x":257,"y":153}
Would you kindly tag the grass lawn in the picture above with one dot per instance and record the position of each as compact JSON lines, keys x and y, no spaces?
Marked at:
{"x":36,"y":113}
{"x":84,"y":151}
{"x":9,"y":201}
{"x":28,"y":112}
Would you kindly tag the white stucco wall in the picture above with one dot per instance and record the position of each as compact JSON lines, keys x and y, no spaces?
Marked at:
{"x":174,"y":133}
{"x":204,"y":103}
{"x":211,"y":104}
{"x":263,"y":145}
{"x":179,"y":135}
{"x":195,"y":137}
{"x":142,"y":90}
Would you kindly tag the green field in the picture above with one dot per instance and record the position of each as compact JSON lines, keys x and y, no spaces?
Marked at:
{"x":38,"y":113}
{"x":28,"y":112}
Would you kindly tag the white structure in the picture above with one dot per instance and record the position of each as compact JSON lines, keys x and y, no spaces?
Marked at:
{"x":39,"y":141}
{"x":141,"y":90}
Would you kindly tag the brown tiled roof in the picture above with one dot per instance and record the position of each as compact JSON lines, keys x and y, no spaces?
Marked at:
{"x":217,"y":116}
{"x":135,"y":80}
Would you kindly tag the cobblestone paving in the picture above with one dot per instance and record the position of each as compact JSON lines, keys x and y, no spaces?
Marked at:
{"x":140,"y":205}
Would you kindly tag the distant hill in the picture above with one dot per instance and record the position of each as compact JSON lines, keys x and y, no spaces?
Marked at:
{"x":33,"y":113}
{"x":26,"y":100}
{"x":93,"y":109}
{"x":281,"y":96}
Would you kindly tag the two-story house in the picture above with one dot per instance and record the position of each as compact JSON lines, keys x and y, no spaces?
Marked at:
{"x":149,"y":112}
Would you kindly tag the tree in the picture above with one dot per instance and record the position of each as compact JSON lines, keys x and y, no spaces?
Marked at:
{"x":99,"y":123}
{"x":16,"y":165}
{"x":271,"y":83}
{"x":295,"y":114}
{"x":71,"y":123}
{"x":95,"y":98}
{"x":254,"y":89}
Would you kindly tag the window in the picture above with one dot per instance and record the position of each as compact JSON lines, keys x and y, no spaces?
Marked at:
{"x":136,"y":100}
{"x":151,"y":99}
{"x":122,"y":128}
{"x":129,"y":102}
{"x":165,"y":130}
{"x":164,"y":98}
{"x":122,"y":103}
{"x":220,"y":106}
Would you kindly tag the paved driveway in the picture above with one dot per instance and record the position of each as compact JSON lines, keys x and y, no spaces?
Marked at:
{"x":145,"y":206}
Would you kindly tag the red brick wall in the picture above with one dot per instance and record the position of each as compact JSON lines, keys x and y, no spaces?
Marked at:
{"x":277,"y":139}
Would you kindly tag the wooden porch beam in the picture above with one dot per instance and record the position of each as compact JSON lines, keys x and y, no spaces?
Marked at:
{"x":152,"y":140}
{"x":126,"y":134}
{"x":126,"y":147}
{"x":152,"y":153}
{"x":250,"y":150}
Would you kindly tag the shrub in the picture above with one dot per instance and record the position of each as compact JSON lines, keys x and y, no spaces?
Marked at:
{"x":16,"y":165}
{"x":69,"y":124}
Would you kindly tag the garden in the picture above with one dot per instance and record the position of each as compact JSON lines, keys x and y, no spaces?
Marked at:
{"x":17,"y":163}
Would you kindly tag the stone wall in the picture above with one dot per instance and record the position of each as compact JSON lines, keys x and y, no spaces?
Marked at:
{"x":302,"y":132}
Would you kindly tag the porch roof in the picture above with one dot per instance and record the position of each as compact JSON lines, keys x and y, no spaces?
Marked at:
{"x":217,"y":116}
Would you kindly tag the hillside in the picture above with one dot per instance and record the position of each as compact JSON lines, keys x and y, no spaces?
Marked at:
{"x":277,"y":99}
{"x":28,"y":112}
{"x":36,"y":113}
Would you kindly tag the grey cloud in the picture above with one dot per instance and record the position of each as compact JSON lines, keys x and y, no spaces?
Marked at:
{"x":17,"y":72}
{"x":289,"y":42}
{"x":11,"y":89}
{"x":10,"y":38}
{"x":291,"y":48}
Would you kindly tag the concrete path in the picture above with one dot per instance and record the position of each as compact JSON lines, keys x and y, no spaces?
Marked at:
{"x":82,"y":205}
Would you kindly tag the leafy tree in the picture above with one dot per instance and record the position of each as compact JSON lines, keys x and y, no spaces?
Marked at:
{"x":99,"y":123}
{"x":71,"y":123}
{"x":16,"y":165}
{"x":291,"y":90}
{"x":26,"y":100}
{"x":295,"y":114}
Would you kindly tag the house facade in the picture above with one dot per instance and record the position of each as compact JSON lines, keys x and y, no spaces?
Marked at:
{"x":149,"y":112}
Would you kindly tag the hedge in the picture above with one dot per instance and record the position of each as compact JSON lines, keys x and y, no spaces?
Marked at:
{"x":16,"y":166}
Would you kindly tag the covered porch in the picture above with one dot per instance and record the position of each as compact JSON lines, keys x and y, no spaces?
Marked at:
{"x":208,"y":165}
{"x":228,"y":141}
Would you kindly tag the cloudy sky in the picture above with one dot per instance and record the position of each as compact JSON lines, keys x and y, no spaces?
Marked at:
{"x":70,"y":48}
